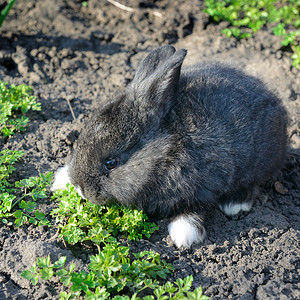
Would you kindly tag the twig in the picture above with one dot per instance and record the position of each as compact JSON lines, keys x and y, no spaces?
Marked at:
{"x":55,"y":235}
{"x":71,"y":109}
{"x":122,"y":6}
{"x":130,"y":9}
{"x":157,"y":14}
{"x":64,"y":242}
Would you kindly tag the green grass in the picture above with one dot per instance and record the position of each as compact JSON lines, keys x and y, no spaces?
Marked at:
{"x":247,"y":17}
{"x":15,"y":102}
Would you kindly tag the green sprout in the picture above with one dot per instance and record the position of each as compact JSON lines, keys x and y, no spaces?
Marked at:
{"x":247,"y":17}
{"x":15,"y":102}
{"x":23,"y":194}
{"x":4,"y":12}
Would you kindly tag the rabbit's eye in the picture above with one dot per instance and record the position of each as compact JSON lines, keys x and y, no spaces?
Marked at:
{"x":110,"y":164}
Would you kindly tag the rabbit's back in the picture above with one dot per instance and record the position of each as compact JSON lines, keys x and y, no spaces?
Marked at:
{"x":233,"y":117}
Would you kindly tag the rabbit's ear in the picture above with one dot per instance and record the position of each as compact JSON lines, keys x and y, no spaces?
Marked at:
{"x":156,"y":80}
{"x":151,"y":62}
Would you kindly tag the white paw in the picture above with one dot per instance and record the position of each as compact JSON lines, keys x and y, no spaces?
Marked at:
{"x":233,"y":209}
{"x":61,"y":178}
{"x":184,"y":231}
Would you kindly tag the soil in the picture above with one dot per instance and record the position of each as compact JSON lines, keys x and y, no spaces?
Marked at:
{"x":68,"y":52}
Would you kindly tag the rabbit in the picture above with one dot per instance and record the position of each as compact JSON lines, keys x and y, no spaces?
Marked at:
{"x":180,"y":143}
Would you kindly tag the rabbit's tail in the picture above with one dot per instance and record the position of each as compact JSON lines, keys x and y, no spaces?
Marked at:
{"x":187,"y":229}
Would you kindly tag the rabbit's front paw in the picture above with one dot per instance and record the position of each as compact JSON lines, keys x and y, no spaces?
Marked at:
{"x":186,"y":230}
{"x":61,"y":179}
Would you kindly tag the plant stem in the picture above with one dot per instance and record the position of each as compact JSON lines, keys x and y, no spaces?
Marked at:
{"x":21,"y":198}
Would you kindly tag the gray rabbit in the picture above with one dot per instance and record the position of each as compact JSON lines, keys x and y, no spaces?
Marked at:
{"x":179,"y":143}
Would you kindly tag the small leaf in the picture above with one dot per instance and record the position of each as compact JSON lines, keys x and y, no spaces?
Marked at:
{"x":65,"y":279}
{"x":32,"y":221}
{"x":39,"y":215}
{"x":43,"y":262}
{"x":18,"y":214}
{"x":279,"y":29}
{"x":23,"y":204}
{"x":46,"y":273}
{"x":30,"y":206}
{"x":34,"y":278}
{"x":60,"y":263}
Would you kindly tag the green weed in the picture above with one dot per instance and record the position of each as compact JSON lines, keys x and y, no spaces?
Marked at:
{"x":80,"y":221}
{"x":290,"y":39}
{"x":15,"y":101}
{"x":4,"y":12}
{"x":22,"y":194}
{"x":7,"y":160}
{"x":114,"y":271}
{"x":247,"y":17}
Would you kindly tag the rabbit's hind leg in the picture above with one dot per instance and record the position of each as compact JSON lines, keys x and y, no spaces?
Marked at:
{"x":186,"y":229}
{"x":241,"y":200}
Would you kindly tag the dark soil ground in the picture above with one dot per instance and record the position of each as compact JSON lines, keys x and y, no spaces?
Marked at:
{"x":84,"y":55}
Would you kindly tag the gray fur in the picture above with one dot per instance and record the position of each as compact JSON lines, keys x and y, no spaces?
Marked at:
{"x":186,"y":140}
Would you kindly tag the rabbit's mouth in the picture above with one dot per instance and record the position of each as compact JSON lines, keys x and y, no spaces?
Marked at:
{"x":101,"y":200}
{"x":95,"y":198}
